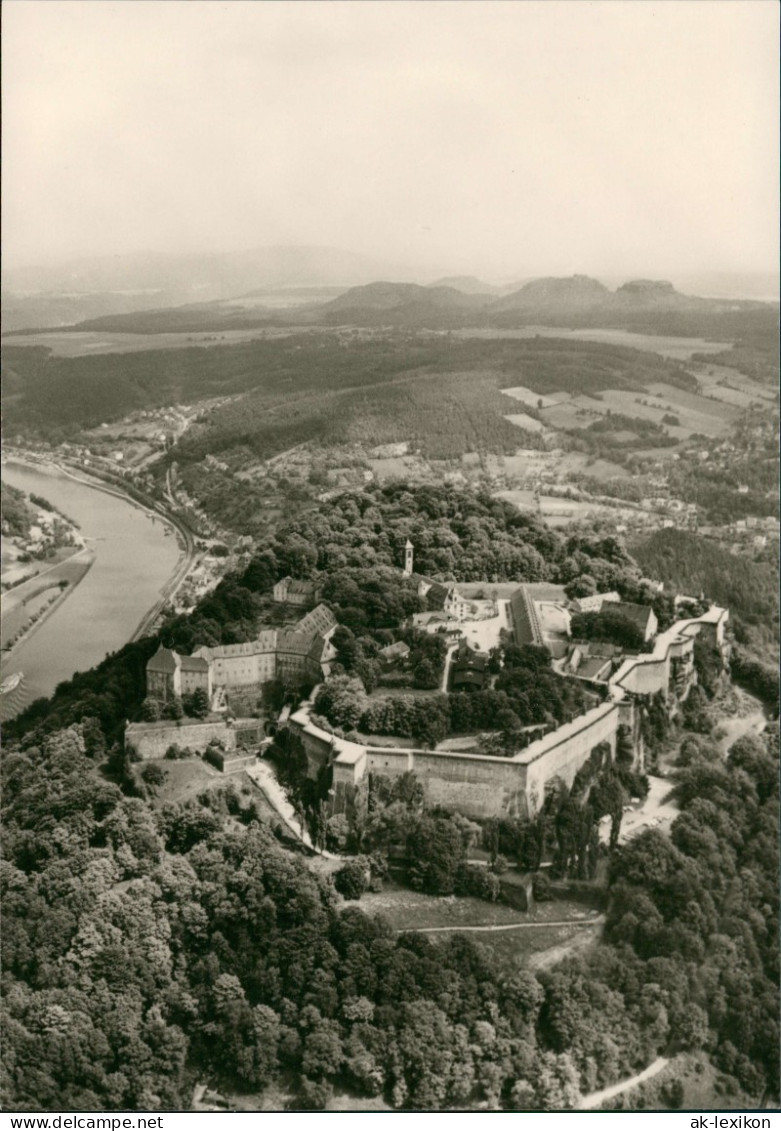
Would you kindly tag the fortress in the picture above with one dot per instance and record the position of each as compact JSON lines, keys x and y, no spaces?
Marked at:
{"x":480,"y":786}
{"x":473,"y":784}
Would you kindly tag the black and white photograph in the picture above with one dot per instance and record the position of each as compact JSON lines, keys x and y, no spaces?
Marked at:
{"x":390,"y":562}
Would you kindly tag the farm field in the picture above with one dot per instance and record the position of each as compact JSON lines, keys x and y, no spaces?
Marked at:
{"x":558,"y":464}
{"x":560,"y":512}
{"x":713,"y":418}
{"x":696,"y":413}
{"x":82,"y":343}
{"x":676,"y":348}
{"x":392,"y":467}
{"x":740,"y":398}
{"x":529,"y":397}
{"x":566,"y":415}
{"x":706,"y":373}
{"x":528,"y":423}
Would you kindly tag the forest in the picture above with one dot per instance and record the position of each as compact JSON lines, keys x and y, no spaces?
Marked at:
{"x":690,"y":563}
{"x":301,"y":377}
{"x":147,"y":949}
{"x":17,"y":514}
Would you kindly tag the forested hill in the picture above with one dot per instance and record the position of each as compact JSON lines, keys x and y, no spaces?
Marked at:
{"x":293,"y":382}
{"x":145,"y":949}
{"x":147,"y":946}
{"x":690,"y":563}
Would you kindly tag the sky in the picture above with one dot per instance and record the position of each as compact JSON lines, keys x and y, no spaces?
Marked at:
{"x":504,"y":139}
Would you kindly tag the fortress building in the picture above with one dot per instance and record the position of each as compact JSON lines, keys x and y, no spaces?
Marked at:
{"x":299,"y":594}
{"x":300,"y":654}
{"x":441,"y":596}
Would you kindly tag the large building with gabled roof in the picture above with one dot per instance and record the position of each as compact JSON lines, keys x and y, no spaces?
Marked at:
{"x":299,"y":654}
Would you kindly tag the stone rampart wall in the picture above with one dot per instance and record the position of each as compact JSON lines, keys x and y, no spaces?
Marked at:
{"x":564,"y":759}
{"x":151,"y":740}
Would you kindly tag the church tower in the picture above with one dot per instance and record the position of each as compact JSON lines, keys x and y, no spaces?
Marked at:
{"x":409,"y":552}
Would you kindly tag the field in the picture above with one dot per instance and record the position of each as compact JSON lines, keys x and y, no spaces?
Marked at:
{"x":560,"y":512}
{"x":528,"y":397}
{"x":696,"y":413}
{"x":676,"y":348}
{"x":528,"y":423}
{"x":554,"y":466}
{"x":84,"y":343}
{"x":538,"y":937}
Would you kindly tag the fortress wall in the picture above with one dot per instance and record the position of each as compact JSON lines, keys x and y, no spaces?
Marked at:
{"x":563,"y":759}
{"x":644,"y":676}
{"x":390,"y":760}
{"x":317,"y":747}
{"x":151,"y":740}
{"x":474,"y":786}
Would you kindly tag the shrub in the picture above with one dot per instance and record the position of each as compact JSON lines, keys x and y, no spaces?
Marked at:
{"x":351,"y":880}
{"x":153,"y":774}
{"x":541,"y":888}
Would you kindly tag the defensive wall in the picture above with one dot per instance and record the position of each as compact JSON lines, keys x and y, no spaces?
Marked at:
{"x":479,"y":786}
{"x":151,"y":740}
{"x":651,"y":672}
{"x":473,"y":784}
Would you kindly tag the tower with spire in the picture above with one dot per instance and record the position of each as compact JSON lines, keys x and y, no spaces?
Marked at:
{"x":409,"y":553}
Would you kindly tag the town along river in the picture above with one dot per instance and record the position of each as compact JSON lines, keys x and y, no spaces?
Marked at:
{"x":135,"y":555}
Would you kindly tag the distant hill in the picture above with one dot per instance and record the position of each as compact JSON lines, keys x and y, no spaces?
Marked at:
{"x":405,"y":304}
{"x":576,"y":293}
{"x":87,"y":288}
{"x":643,"y":305}
{"x":469,"y":285}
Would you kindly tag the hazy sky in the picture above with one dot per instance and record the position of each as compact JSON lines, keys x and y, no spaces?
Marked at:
{"x":508,"y":139}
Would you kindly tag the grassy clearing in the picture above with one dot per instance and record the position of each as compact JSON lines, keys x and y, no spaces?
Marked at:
{"x":538,"y":949}
{"x":407,"y":910}
{"x":183,"y":781}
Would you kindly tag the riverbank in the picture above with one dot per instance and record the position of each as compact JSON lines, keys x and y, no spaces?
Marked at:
{"x":109,"y":486}
{"x":20,"y":621}
{"x":138,"y":561}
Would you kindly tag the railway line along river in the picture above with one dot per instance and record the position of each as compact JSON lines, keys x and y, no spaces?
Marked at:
{"x":136,"y":554}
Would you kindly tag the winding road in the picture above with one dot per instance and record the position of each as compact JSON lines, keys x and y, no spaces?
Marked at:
{"x":596,"y":1099}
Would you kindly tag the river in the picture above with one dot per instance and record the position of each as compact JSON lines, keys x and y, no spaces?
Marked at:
{"x":135,"y":555}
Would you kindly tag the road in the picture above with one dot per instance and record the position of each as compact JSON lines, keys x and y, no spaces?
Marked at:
{"x":730,"y":730}
{"x":596,"y":1099}
{"x":264,"y":778}
{"x":448,"y":661}
{"x":597,"y":921}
